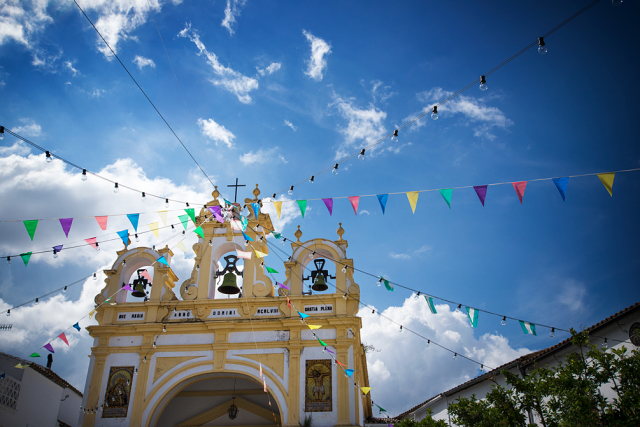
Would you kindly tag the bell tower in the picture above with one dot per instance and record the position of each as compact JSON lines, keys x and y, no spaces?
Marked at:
{"x":224,"y":348}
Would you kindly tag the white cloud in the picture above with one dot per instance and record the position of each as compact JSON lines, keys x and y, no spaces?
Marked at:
{"x":261,"y":157}
{"x":363,"y":212}
{"x":20,"y":21}
{"x":142,"y":62}
{"x":2,"y":83}
{"x":416,"y":366}
{"x":399,"y":256}
{"x":290,"y":211}
{"x":29,"y":128}
{"x":423,"y":248}
{"x":216,"y":132}
{"x":229,"y":79}
{"x":69,"y":66}
{"x":288,"y":123}
{"x":96,"y":93}
{"x":573,"y":295}
{"x":231,"y":12}
{"x":379,"y":92}
{"x":272,"y":68}
{"x":364,"y":125}
{"x":317,"y":63}
{"x":18,"y":148}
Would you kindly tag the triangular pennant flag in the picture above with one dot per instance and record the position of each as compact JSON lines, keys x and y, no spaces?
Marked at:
{"x":162,"y":260}
{"x":329,"y":204}
{"x":349,"y":372}
{"x":243,"y":254}
{"x":102,"y":221}
{"x":446,"y":195}
{"x":199,"y":232}
{"x":260,"y":254}
{"x":303,"y":315}
{"x":413,"y":199}
{"x":124,"y":235}
{"x":236,"y":224}
{"x":66,"y":225}
{"x":276,"y":235}
{"x":322,"y":343}
{"x":77,"y":326}
{"x":314,"y":326}
{"x":283,"y":286}
{"x":432,"y":307}
{"x":154,"y":227}
{"x":380,"y":408}
{"x":271,"y":270}
{"x":288,"y":302}
{"x":127,"y":287}
{"x":91,"y":313}
{"x":26,"y":257}
{"x":481,"y":191}
{"x":192,"y":214}
{"x":256,"y":209}
{"x":181,"y":246}
{"x":329,"y":351}
{"x":63,"y":337}
{"x":382,"y":198}
{"x":561,"y":185}
{"x":34,"y":355}
{"x":134,"y":220}
{"x":278,"y":206}
{"x":365,"y":390}
{"x":31,"y":226}
{"x":216,"y":211}
{"x":528,"y":328}
{"x":163,"y":217}
{"x":49,"y":347}
{"x":388,"y":285}
{"x":605,"y":178}
{"x":261,"y":371}
{"x":520,"y":187}
{"x":20,"y":366}
{"x":92,"y":241}
{"x":302,"y":204}
{"x":355,"y":201}
{"x":339,"y":363}
{"x":264,"y":382}
{"x":473,"y":316}
{"x":246,"y":237}
{"x":185,"y":220}
{"x":146,"y":275}
{"x":57,"y":248}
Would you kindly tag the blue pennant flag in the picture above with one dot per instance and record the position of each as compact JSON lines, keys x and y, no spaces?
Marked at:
{"x":349,"y":372}
{"x":303,"y":315}
{"x":134,"y":220}
{"x":161,"y":260}
{"x":124,"y":235}
{"x":77,"y":326}
{"x":256,"y":209}
{"x":247,"y":237}
{"x":382,"y":198}
{"x":561,"y":184}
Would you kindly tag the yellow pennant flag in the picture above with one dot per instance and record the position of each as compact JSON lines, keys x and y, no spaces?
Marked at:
{"x":413,"y":199}
{"x":260,"y":254}
{"x":91,"y":313}
{"x":278,"y":206}
{"x":163,"y":217}
{"x":20,"y":366}
{"x":314,"y":326}
{"x":607,"y":181}
{"x":365,"y":390}
{"x":154,"y":227}
{"x":181,"y":246}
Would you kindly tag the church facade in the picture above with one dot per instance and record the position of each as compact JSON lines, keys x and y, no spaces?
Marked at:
{"x":189,"y":355}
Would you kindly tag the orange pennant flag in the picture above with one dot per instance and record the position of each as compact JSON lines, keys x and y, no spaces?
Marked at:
{"x":288,"y":302}
{"x":341,"y":364}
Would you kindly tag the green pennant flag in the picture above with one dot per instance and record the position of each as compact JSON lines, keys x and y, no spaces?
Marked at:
{"x":271,"y":270}
{"x":322,"y":342}
{"x":381,"y":408}
{"x":388,"y":285}
{"x":25,"y":258}
{"x":302,"y":204}
{"x":192,"y":214}
{"x":446,"y":194}
{"x":31,"y":227}
{"x":34,"y":355}
{"x":185,"y":220}
{"x":276,"y":235}
{"x":199,"y":232}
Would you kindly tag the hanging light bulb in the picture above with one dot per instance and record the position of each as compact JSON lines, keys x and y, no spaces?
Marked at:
{"x":290,"y":191}
{"x":124,"y":262}
{"x":55,"y":253}
{"x":503,"y":322}
{"x":1,"y":132}
{"x":284,"y":240}
{"x":9,"y":260}
{"x":428,"y":343}
{"x":8,"y":312}
{"x":97,"y":246}
{"x":187,"y":204}
{"x":136,"y":371}
{"x":49,"y":158}
{"x":417,"y":296}
{"x":483,"y":83}
{"x":173,"y":229}
{"x":274,"y":196}
{"x":154,"y":344}
{"x":481,"y":368}
{"x":144,"y":359}
{"x":184,"y":231}
{"x":116,"y":188}
{"x":394,"y":138}
{"x":434,"y":113}
{"x":197,"y":267}
{"x":459,"y":308}
{"x":542,"y":47}
{"x":64,"y":289}
{"x":154,"y":247}
{"x":344,"y":269}
{"x":455,"y":356}
{"x":312,"y":254}
{"x":210,"y":242}
{"x":373,"y":311}
{"x":137,"y":238}
{"x":335,"y":169}
{"x":144,"y":197}
{"x":361,"y":155}
{"x":380,"y":281}
{"x":552,"y":333}
{"x":36,"y":303}
{"x":164,"y":328}
{"x":605,"y":344}
{"x":400,"y":328}
{"x":84,"y":175}
{"x":311,"y":180}
{"x":94,"y":276}
{"x":166,"y":203}
{"x":344,"y":296}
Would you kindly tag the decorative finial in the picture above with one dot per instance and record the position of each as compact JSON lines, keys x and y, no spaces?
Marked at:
{"x":215,"y":193}
{"x":256,"y":192}
{"x":298,"y":233}
{"x":340,"y":231}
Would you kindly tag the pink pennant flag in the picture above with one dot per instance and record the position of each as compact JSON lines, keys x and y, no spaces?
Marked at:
{"x":329,"y":204}
{"x":355,"y":200}
{"x":243,"y":254}
{"x":265,"y":385}
{"x":102,"y":221}
{"x":63,"y":337}
{"x":92,"y":242}
{"x":520,"y":187}
{"x":261,"y":371}
{"x":146,"y":275}
{"x":49,"y":347}
{"x":127,"y":287}
{"x":66,"y":225}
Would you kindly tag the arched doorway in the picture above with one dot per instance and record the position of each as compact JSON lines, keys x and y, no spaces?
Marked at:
{"x":205,"y":401}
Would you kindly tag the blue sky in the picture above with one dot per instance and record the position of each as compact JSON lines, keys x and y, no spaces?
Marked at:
{"x":275,"y":92}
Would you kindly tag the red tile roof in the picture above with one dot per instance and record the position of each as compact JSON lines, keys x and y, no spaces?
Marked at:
{"x":47,"y":373}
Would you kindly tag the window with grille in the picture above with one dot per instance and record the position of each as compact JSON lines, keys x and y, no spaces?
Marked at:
{"x":9,"y":392}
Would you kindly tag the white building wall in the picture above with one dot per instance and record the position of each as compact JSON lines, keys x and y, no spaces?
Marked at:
{"x":69,"y":408}
{"x":38,"y":402}
{"x":320,"y":419}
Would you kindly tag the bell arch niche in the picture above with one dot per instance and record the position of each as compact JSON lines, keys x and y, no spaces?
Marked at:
{"x":206,"y":400}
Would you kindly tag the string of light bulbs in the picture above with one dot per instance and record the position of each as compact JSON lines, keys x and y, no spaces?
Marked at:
{"x":93,"y":216}
{"x":542,"y":49}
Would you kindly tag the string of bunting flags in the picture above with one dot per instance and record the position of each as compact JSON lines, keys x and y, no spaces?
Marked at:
{"x":561,"y":185}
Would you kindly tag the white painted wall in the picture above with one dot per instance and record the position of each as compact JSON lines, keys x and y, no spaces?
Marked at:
{"x":320,"y":419}
{"x":258,"y":336}
{"x":117,"y":359}
{"x":70,"y":407}
{"x":238,"y":355}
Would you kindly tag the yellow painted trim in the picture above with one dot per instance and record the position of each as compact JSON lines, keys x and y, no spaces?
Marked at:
{"x":200,"y":393}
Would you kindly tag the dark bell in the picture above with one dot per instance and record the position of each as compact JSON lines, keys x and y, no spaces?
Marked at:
{"x":319,"y":285}
{"x":138,"y":290}
{"x":229,"y":286}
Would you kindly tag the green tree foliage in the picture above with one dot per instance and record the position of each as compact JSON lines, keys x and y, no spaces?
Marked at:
{"x":428,"y":421}
{"x":568,"y":395}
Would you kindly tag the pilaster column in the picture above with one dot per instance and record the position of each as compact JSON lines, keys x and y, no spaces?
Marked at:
{"x":94,"y":389}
